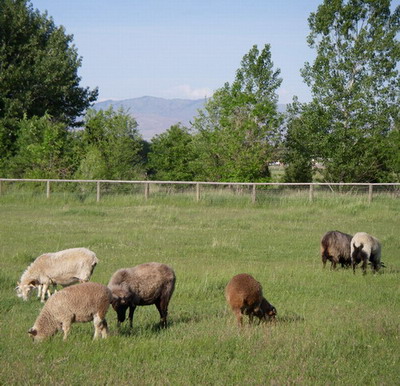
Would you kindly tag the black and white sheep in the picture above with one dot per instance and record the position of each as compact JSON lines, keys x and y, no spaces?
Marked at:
{"x":65,"y":267}
{"x":245,"y":297}
{"x":335,"y":247}
{"x":142,"y":285}
{"x":79,"y":303}
{"x":364,"y":248}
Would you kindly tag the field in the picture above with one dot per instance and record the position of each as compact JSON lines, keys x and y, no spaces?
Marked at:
{"x":333,"y":327}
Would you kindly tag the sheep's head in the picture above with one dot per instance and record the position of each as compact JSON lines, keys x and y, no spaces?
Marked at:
{"x":24,"y":290}
{"x":265,"y":311}
{"x":35,"y":335}
{"x":120,"y":302}
{"x":358,"y":253}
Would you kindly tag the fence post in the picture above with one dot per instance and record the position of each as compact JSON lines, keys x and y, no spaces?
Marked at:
{"x":253,"y":194}
{"x":98,"y":192}
{"x":311,"y":193}
{"x":197,"y":192}
{"x":48,"y":189}
{"x":146,"y":190}
{"x":370,"y":187}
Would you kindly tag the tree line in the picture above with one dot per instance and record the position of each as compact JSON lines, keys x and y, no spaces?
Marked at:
{"x":349,"y":132}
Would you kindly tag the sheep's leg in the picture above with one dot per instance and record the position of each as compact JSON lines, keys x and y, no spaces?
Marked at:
{"x":131,"y":312}
{"x":375,"y":263}
{"x":39,"y":292}
{"x":324,"y":259}
{"x":162,"y":307}
{"x":239,"y":317}
{"x":104,"y":329}
{"x":66,"y":327}
{"x":100,"y":327}
{"x":364,"y":266}
{"x":353,"y":263}
{"x":45,"y":288}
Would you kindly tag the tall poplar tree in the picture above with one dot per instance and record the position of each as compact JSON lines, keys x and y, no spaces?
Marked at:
{"x":238,"y":127}
{"x":355,"y":85}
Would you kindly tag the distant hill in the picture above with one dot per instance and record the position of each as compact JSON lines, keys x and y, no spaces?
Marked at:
{"x":156,"y":115}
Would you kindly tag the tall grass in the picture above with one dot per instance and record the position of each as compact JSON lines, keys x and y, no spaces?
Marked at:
{"x":332,"y":327}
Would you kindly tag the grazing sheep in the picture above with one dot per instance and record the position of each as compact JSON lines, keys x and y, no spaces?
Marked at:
{"x":64,"y":267}
{"x":335,"y":247}
{"x":244,"y":294}
{"x":79,"y":303}
{"x":145,"y":284}
{"x":365,"y":247}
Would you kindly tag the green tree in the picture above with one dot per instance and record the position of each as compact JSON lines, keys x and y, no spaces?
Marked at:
{"x":355,"y":84}
{"x":111,"y":147}
{"x":38,"y":71}
{"x":44,"y":150}
{"x":239,"y":126}
{"x":171,"y":155}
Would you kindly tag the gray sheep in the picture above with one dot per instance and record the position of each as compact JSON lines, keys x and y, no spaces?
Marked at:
{"x":145,"y":284}
{"x":79,"y":303}
{"x":335,"y":247}
{"x":244,"y":294}
{"x":365,"y":247}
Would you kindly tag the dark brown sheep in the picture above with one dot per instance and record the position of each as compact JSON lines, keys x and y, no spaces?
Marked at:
{"x":335,"y":247}
{"x":244,"y":295}
{"x":143,"y":285}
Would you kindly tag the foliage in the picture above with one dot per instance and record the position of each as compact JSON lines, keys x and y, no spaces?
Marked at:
{"x":236,"y":131}
{"x":111,"y":146}
{"x":355,"y":81}
{"x":171,"y":155}
{"x":38,"y":72}
{"x":44,"y":150}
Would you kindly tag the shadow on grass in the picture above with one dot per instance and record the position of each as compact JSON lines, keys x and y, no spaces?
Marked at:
{"x":151,"y":328}
{"x":289,"y":318}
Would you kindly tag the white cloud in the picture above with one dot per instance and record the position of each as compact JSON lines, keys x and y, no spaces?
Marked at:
{"x":187,"y":92}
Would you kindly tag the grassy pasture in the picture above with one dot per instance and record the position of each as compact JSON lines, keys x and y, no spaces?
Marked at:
{"x":332,"y":327}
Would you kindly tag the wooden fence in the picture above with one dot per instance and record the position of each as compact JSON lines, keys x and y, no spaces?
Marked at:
{"x":252,"y":187}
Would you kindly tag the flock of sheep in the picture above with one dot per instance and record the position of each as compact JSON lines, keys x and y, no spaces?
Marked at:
{"x":346,"y":250}
{"x":145,"y":284}
{"x":153,"y":283}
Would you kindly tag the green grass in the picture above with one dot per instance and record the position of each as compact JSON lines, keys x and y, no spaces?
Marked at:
{"x":332,"y":327}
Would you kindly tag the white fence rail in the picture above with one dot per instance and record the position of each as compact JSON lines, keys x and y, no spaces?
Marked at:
{"x":251,"y":186}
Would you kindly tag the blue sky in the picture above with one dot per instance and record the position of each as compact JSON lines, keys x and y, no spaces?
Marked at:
{"x":182,"y":49}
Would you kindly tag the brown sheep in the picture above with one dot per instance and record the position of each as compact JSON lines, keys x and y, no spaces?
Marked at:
{"x":79,"y":303}
{"x":244,"y":294}
{"x":335,"y":247}
{"x":145,"y":284}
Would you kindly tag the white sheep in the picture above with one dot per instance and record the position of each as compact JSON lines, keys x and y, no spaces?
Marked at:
{"x":145,"y":284}
{"x":365,"y":247}
{"x":79,"y":303}
{"x":65,"y":267}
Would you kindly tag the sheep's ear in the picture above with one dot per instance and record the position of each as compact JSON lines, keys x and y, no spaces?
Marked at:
{"x":32,"y":332}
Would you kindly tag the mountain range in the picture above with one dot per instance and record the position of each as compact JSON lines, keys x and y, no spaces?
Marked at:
{"x":156,"y":115}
